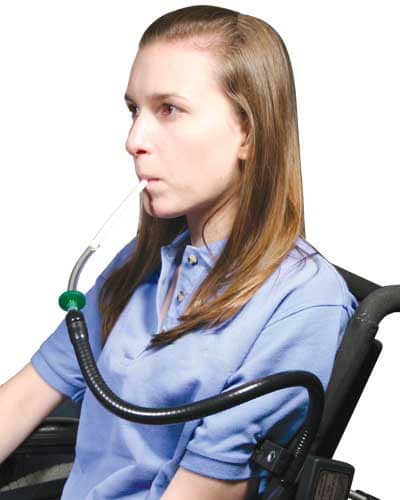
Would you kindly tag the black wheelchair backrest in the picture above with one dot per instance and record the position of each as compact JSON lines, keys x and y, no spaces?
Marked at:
{"x":354,"y":362}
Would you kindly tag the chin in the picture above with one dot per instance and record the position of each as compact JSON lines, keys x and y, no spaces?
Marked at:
{"x":161,"y":213}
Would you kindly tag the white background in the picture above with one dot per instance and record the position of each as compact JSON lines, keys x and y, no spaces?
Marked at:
{"x":64,"y":168}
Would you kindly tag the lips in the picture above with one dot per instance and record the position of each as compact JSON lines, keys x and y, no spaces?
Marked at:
{"x":148,"y":178}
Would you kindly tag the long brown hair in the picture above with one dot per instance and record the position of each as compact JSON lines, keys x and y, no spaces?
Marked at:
{"x":255,"y":73}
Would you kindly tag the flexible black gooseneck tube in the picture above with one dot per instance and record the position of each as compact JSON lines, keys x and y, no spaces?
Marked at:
{"x":162,"y":416}
{"x":73,"y":301}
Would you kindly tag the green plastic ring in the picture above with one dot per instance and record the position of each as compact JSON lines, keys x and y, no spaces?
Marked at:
{"x":71,"y":299}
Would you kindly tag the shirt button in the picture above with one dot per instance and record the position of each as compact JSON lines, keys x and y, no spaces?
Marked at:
{"x":180,"y":296}
{"x":192,"y":259}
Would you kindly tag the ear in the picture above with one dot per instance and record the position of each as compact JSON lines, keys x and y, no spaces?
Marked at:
{"x":244,"y":148}
{"x":243,"y":152}
{"x":244,"y":144}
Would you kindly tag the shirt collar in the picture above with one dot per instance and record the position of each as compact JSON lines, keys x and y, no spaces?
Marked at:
{"x":183,"y":240}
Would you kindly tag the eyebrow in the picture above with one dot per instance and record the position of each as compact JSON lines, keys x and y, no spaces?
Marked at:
{"x":156,"y":96}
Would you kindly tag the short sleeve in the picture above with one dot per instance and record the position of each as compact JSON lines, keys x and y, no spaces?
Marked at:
{"x":222,"y":444}
{"x":55,"y":360}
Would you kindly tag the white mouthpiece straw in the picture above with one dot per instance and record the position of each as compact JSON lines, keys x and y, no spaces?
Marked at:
{"x":94,"y":244}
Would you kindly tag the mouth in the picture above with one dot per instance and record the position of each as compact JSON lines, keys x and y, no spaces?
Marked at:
{"x":150,"y":179}
{"x":151,"y":183}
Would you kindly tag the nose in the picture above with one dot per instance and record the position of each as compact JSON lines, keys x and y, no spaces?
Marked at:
{"x":135,"y":143}
{"x":133,"y":146}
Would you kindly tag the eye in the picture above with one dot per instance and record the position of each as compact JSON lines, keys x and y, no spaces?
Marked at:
{"x":167,"y":105}
{"x":164,"y":105}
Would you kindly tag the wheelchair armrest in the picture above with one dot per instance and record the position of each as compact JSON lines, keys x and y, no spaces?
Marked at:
{"x":57,"y":432}
{"x":51,"y":444}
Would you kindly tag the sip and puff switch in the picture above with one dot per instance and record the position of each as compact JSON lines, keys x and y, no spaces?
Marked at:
{"x":324,"y":479}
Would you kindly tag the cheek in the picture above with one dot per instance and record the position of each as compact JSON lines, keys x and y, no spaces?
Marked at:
{"x":206,"y":152}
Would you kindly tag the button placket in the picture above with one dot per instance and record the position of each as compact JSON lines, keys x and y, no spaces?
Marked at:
{"x":192,"y":260}
{"x":187,"y":261}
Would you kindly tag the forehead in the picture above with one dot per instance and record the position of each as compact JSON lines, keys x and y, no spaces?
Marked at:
{"x":174,"y":68}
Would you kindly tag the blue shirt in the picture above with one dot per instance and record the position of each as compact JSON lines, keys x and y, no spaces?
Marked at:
{"x":295,"y":321}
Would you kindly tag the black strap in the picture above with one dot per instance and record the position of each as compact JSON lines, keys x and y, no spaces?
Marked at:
{"x":272,"y":457}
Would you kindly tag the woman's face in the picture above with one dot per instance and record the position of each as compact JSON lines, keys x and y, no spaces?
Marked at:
{"x":192,"y":145}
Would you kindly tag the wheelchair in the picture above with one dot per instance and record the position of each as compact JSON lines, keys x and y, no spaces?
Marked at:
{"x":39,"y":467}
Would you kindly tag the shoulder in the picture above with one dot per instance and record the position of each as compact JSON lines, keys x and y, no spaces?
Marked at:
{"x":306,"y":279}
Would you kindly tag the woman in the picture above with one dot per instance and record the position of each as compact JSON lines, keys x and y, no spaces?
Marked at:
{"x":219,"y":287}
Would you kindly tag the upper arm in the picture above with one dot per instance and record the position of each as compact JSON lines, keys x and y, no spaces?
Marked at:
{"x":25,"y":400}
{"x":38,"y":396}
{"x":187,"y":484}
